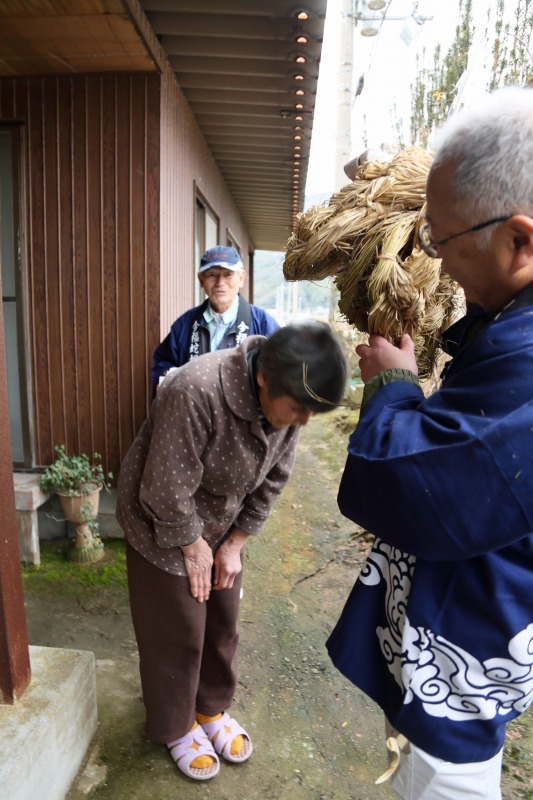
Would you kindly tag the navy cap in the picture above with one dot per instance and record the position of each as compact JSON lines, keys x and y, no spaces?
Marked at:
{"x":219,"y":256}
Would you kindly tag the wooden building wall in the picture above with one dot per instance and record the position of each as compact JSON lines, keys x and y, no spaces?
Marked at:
{"x":91,"y":153}
{"x":110,"y":166}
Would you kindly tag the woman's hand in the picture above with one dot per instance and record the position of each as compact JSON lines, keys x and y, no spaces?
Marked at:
{"x":198,"y":558}
{"x":228,"y":562}
{"x":379,"y":355}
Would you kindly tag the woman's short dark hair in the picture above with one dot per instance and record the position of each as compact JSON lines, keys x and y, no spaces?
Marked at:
{"x":305,"y":354}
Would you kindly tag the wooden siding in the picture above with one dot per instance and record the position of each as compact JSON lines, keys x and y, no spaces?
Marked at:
{"x":186,"y":162}
{"x":91,"y":149}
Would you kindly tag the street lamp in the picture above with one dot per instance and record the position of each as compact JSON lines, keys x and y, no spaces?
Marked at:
{"x":369,"y":31}
{"x":362,"y":8}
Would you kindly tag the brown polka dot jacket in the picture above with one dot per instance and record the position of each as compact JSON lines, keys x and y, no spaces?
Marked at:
{"x":201,"y":462}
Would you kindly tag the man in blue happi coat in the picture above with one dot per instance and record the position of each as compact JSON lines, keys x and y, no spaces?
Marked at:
{"x":224,"y":319}
{"x":438,"y":629}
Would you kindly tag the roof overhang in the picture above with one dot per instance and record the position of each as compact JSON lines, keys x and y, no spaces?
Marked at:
{"x":249,"y":71}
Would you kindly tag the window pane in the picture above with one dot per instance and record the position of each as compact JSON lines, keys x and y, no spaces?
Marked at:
{"x":211,"y":229}
{"x":7,"y":241}
{"x":13,"y":381}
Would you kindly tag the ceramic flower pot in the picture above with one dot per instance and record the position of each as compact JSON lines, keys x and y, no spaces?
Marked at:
{"x":88,"y":547}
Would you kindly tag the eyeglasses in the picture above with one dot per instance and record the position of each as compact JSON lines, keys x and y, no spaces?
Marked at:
{"x":430,"y":247}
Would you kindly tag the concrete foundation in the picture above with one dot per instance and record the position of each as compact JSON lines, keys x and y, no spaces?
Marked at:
{"x":45,"y":736}
{"x":29,"y":497}
{"x":41,"y":517}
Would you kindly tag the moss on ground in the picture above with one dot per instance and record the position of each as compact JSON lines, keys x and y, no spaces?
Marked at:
{"x":67,"y":576}
{"x":330,"y":434}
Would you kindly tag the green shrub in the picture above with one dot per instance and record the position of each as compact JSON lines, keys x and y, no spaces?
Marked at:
{"x":74,"y":475}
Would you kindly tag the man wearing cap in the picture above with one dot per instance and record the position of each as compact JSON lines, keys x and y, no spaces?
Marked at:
{"x":224,"y":320}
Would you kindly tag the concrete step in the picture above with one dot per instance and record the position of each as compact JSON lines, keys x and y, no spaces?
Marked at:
{"x":45,"y":736}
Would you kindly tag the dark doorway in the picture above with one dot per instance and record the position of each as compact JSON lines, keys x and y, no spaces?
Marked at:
{"x":13,"y":295}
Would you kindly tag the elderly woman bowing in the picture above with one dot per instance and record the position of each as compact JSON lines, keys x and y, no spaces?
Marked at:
{"x":199,"y":479}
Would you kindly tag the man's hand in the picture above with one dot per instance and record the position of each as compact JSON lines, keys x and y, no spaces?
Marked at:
{"x":379,"y":355}
{"x":198,"y":558}
{"x":228,"y":562}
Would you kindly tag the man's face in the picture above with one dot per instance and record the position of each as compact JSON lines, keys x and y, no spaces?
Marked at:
{"x":477,"y":270}
{"x":221,"y":286}
{"x":281,"y":411}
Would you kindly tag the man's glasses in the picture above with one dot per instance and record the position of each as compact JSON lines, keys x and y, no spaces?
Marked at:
{"x":430,"y":247}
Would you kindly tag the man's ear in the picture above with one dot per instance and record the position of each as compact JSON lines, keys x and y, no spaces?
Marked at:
{"x":260,"y":379}
{"x":521,"y":229}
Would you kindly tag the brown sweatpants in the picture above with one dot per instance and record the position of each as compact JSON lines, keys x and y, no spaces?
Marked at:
{"x":186,"y":648}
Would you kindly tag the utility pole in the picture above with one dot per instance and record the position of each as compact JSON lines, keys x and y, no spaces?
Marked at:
{"x":343,"y":151}
{"x":344,"y":93}
{"x":294,"y":299}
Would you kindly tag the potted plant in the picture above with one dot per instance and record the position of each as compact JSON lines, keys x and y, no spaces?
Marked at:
{"x":78,"y":483}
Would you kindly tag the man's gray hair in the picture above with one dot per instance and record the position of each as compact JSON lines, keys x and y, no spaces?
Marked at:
{"x":491,"y":147}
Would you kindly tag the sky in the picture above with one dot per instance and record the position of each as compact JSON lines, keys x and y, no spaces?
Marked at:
{"x":388,"y":65}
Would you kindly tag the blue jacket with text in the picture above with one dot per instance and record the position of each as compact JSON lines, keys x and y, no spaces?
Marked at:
{"x":438,"y":629}
{"x":189,"y":336}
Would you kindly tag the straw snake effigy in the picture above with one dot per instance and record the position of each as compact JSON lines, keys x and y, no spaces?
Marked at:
{"x":366,"y":240}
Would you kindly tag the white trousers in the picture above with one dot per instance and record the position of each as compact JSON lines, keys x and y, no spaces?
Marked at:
{"x":420,"y":776}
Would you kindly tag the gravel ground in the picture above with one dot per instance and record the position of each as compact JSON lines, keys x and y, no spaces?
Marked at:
{"x":316,"y":737}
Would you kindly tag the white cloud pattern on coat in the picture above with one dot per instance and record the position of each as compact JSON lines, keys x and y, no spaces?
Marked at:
{"x":449,"y":681}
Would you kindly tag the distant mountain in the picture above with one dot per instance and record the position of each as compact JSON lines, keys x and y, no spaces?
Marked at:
{"x":288,"y":298}
{"x":281,"y":297}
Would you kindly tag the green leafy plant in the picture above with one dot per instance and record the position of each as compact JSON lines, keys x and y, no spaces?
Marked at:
{"x":74,"y":475}
{"x":436,"y":86}
{"x":88,"y":517}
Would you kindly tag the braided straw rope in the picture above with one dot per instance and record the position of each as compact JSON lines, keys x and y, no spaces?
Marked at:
{"x":365,"y":238}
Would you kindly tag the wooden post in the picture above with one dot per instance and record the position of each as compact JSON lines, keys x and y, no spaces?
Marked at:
{"x":15,"y":671}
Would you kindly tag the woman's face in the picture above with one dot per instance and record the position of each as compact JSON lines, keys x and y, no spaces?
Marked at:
{"x":281,"y":411}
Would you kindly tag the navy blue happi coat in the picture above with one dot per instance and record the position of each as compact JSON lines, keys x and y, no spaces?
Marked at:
{"x":438,"y":628}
